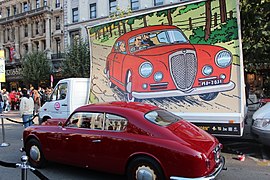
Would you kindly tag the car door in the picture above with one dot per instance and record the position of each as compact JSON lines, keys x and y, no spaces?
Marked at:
{"x":118,"y":60}
{"x":110,"y":154}
{"x":58,"y":104}
{"x":79,"y":138}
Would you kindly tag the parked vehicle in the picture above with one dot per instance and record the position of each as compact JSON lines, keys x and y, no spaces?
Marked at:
{"x":67,"y":95}
{"x":182,"y":68}
{"x":164,"y":57}
{"x":140,"y":140}
{"x":261,"y":124}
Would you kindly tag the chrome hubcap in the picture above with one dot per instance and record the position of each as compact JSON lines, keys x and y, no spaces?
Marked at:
{"x":35,"y":153}
{"x":145,"y":173}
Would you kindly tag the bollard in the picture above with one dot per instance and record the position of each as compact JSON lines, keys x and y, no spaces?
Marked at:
{"x":24,"y":167}
{"x":3,"y":144}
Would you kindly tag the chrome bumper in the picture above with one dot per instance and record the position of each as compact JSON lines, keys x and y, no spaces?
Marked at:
{"x":209,"y":177}
{"x":194,"y":91}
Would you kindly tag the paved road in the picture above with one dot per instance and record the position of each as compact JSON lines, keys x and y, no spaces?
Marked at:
{"x":255,"y":166}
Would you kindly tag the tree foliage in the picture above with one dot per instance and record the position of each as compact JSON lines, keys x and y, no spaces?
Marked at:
{"x":35,"y":68}
{"x":77,"y":62}
{"x":255,"y":19}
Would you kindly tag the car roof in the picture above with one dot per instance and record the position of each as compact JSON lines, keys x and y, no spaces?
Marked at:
{"x":144,"y":30}
{"x":118,"y":105}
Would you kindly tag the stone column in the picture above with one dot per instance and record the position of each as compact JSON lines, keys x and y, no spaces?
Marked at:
{"x":29,"y":28}
{"x":1,"y":37}
{"x":48,"y":37}
{"x":17,"y":41}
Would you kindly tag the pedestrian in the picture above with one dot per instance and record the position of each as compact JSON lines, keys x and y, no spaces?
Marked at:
{"x":37,"y":101}
{"x":26,"y":108}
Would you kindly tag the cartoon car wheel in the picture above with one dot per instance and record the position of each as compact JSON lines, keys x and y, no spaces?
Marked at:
{"x":128,"y":93}
{"x":111,"y":85}
{"x":208,"y":96}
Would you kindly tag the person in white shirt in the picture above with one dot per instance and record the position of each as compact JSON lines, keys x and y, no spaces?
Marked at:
{"x":26,"y":108}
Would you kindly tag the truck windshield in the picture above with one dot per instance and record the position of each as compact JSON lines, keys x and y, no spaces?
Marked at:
{"x":162,"y":117}
{"x":156,"y":38}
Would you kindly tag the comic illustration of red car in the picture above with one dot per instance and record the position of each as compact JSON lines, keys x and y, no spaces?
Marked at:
{"x":159,"y":61}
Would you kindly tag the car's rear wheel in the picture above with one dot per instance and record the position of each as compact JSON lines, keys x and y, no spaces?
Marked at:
{"x":208,"y":96}
{"x":111,"y":85}
{"x":144,"y":168}
{"x":34,"y":152}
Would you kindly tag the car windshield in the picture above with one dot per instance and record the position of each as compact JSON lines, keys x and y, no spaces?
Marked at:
{"x":162,"y":117}
{"x":156,"y":38}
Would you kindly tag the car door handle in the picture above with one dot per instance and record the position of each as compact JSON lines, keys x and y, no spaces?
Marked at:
{"x":64,"y":104}
{"x":96,"y":141}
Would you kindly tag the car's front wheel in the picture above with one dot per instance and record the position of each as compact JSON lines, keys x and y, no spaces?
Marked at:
{"x":144,"y":168}
{"x":34,"y":152}
{"x":208,"y":96}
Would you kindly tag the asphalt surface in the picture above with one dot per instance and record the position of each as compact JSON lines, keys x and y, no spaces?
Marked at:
{"x":255,"y":166}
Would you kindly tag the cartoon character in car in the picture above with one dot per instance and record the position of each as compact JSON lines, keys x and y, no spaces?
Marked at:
{"x":159,"y":62}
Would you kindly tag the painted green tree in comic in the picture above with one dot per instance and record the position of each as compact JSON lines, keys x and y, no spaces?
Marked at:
{"x":143,"y":17}
{"x":208,"y":19}
{"x":117,"y":23}
{"x":223,"y":11}
{"x":167,"y":13}
{"x":130,"y":22}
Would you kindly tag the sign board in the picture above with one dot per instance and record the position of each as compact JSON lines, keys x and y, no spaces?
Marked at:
{"x":2,"y":66}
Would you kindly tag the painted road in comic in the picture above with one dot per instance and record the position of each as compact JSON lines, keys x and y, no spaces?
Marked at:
{"x":181,"y":58}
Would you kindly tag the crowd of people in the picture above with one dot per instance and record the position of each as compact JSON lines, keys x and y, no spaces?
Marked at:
{"x":27,"y":101}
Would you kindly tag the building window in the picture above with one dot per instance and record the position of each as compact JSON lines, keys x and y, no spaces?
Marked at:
{"x":57,"y":3}
{"x":26,"y":30}
{"x":44,"y":26}
{"x":37,"y":4}
{"x":93,"y":10}
{"x":112,"y":6}
{"x":74,"y":37}
{"x":57,"y":24}
{"x":25,"y":7}
{"x":75,"y":15}
{"x":45,"y":3}
{"x":134,"y":4}
{"x":14,"y":10}
{"x":36,"y":27}
{"x":158,"y":2}
{"x":8,"y":12}
{"x":58,"y":47}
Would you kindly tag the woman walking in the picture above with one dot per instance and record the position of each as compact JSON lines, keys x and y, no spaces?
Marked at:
{"x":26,"y":108}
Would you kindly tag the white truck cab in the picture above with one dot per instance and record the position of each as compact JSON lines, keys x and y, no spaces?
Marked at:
{"x":67,"y":95}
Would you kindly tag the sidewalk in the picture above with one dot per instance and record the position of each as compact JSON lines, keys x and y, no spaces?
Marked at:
{"x":14,"y":115}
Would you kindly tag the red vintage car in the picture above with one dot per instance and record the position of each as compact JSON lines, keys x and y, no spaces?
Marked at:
{"x":139,"y":140}
{"x":159,"y":61}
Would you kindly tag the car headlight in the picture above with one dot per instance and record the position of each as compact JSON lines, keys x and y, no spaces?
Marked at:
{"x":223,"y":58}
{"x":158,"y":76}
{"x":146,"y":69}
{"x":207,"y":70}
{"x":261,"y":123}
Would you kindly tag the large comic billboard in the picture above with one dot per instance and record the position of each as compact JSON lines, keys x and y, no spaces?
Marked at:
{"x":184,"y":58}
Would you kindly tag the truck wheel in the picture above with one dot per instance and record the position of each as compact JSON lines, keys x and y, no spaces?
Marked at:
{"x":34,"y":152}
{"x":128,"y":93}
{"x":144,"y":168}
{"x":208,"y":96}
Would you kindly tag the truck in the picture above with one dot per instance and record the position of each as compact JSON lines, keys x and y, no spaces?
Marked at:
{"x":185,"y":57}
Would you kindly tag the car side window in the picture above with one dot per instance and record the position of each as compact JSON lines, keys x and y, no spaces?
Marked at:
{"x":115,"y":122}
{"x":86,"y":120}
{"x":59,"y":92}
